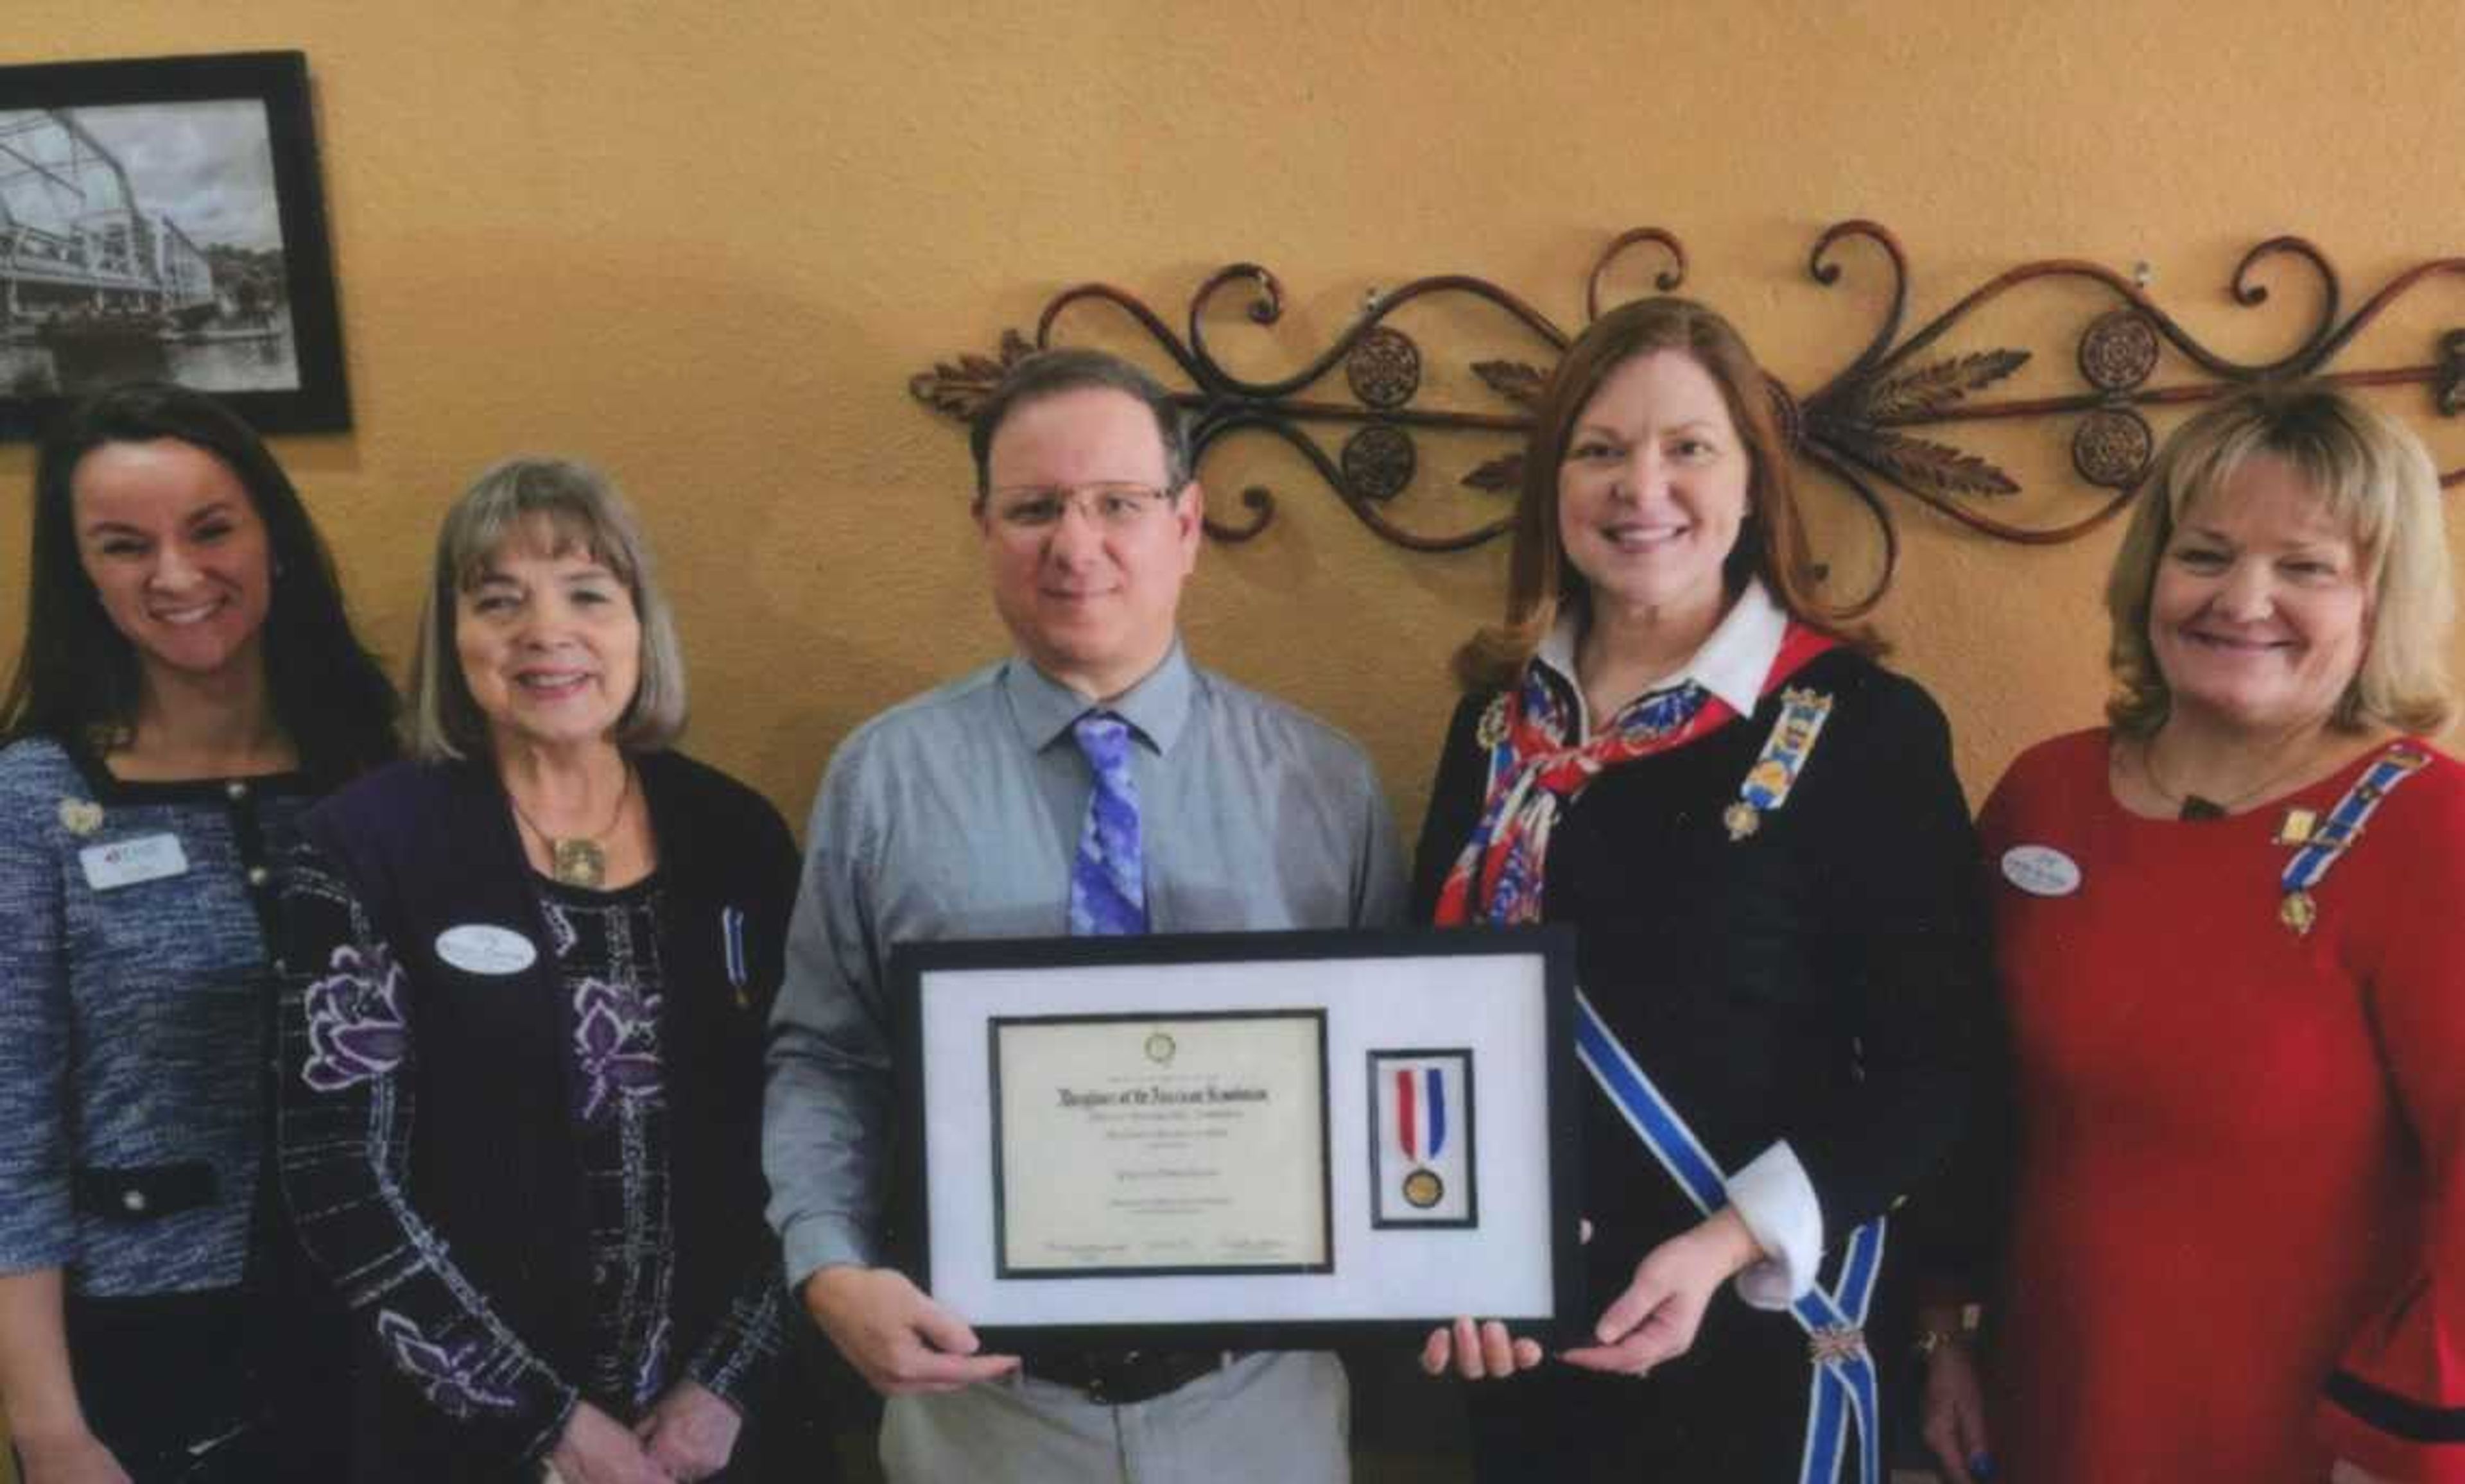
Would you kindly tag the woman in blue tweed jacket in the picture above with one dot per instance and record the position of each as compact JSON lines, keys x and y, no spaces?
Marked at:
{"x":189,"y":682}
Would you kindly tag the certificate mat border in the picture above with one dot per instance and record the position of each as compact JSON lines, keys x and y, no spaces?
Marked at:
{"x":909,"y":1239}
{"x":1002,"y":1267}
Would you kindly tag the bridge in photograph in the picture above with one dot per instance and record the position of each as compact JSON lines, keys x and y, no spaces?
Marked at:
{"x":76,"y":244}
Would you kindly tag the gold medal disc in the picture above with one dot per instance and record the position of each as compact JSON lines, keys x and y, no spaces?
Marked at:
{"x":2298,"y":910}
{"x":1743,"y":819}
{"x":1424,"y":1189}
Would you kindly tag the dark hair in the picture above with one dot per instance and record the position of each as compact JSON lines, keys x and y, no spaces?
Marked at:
{"x":1050,"y":373}
{"x":1771,"y":542}
{"x":79,"y":672}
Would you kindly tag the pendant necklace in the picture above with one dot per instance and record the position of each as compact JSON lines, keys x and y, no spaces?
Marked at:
{"x":2195,"y":806}
{"x":579,"y":859}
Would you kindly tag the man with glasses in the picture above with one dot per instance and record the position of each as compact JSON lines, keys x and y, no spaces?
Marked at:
{"x":1096,"y":781}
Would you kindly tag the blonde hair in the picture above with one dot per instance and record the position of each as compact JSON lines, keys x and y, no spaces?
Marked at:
{"x":2374,"y":479}
{"x":581,"y":509}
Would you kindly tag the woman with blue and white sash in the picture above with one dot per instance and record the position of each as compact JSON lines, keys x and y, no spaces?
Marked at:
{"x":1674,"y":745}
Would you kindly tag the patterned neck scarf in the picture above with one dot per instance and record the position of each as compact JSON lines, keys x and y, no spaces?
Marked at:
{"x":1535,"y":773}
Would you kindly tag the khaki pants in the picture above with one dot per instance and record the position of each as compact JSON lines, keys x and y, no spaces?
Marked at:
{"x":1282,"y":1415}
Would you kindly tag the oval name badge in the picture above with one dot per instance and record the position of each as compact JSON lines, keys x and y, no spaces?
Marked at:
{"x":2041,"y":870}
{"x":478,"y":948}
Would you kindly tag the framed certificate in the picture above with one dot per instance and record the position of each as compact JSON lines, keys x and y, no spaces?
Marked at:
{"x":1245,"y":1139}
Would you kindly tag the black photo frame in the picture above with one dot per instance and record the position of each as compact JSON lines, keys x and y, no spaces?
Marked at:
{"x":102,"y":279}
{"x":1506,"y":994}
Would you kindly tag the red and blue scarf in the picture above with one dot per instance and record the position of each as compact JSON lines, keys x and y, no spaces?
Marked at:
{"x":1535,"y":771}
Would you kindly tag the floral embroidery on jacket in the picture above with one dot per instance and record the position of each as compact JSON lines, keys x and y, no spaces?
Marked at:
{"x":443,"y":1374}
{"x":616,"y":1035}
{"x":355,"y":1030}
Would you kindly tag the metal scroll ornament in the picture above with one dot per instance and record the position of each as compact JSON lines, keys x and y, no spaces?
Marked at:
{"x":1885,"y":420}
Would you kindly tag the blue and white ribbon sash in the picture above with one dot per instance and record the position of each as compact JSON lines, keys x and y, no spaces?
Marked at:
{"x":2333,"y":837}
{"x":1845,"y":1385}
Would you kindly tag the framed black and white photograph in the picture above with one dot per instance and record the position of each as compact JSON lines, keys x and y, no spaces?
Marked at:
{"x":164,"y":219}
{"x":1247,"y":1140}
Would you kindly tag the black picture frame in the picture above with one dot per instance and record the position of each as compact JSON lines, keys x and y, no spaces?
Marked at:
{"x":916,"y":967}
{"x":101,"y":281}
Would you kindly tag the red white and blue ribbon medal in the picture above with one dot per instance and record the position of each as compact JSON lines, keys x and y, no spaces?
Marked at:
{"x":2324,"y":841}
{"x":1421,"y":1138}
{"x":1420,"y":1095}
{"x":1793,"y":735}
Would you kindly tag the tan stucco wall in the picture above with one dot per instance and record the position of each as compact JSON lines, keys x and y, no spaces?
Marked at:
{"x":705,"y":244}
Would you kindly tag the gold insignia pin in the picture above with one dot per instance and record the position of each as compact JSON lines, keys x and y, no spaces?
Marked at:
{"x":80,"y":816}
{"x":2298,"y":827}
{"x":1743,"y":819}
{"x":2298,"y":911}
{"x":1493,"y":724}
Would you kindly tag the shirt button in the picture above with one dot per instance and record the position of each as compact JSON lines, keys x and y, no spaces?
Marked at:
{"x":236,"y":789}
{"x":256,"y":876}
{"x":132,"y":1201}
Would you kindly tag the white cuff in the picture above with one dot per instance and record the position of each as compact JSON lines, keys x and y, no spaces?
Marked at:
{"x":1776,"y":1200}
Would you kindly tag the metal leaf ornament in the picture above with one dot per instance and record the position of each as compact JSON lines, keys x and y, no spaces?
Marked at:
{"x":957,"y":389}
{"x":1917,"y":464}
{"x":1516,"y":381}
{"x":1934,"y":386}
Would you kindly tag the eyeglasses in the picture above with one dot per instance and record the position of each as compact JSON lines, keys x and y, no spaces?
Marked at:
{"x":1116,"y":507}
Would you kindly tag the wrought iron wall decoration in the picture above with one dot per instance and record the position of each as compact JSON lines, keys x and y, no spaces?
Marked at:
{"x":1858,"y":428}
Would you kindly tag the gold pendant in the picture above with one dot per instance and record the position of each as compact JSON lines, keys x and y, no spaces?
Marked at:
{"x":2298,"y":827}
{"x":1743,"y":819}
{"x":2298,"y":911}
{"x":1424,"y":1189}
{"x":577,"y":862}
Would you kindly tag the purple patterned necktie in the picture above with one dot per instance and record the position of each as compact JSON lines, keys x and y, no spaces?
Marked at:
{"x":1109,"y":891}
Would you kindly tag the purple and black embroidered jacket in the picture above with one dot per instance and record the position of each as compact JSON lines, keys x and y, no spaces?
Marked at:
{"x":520,"y":1125}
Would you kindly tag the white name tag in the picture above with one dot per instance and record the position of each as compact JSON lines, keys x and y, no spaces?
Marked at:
{"x":148,"y":858}
{"x":477,"y":948}
{"x":2041,"y":870}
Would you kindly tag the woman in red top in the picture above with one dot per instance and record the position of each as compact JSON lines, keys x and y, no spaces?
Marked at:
{"x":2232,"y":948}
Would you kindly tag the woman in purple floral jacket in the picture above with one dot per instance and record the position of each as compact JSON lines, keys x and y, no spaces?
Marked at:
{"x":526,"y":988}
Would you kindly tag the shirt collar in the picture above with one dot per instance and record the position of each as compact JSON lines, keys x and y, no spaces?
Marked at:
{"x":1732,"y":664}
{"x":1157,"y":708}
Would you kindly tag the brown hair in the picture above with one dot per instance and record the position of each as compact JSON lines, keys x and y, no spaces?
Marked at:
{"x":1771,"y":543}
{"x":581,"y":509}
{"x":1052,"y":373}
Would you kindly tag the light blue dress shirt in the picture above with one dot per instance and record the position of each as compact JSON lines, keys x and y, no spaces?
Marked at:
{"x":956,"y":815}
